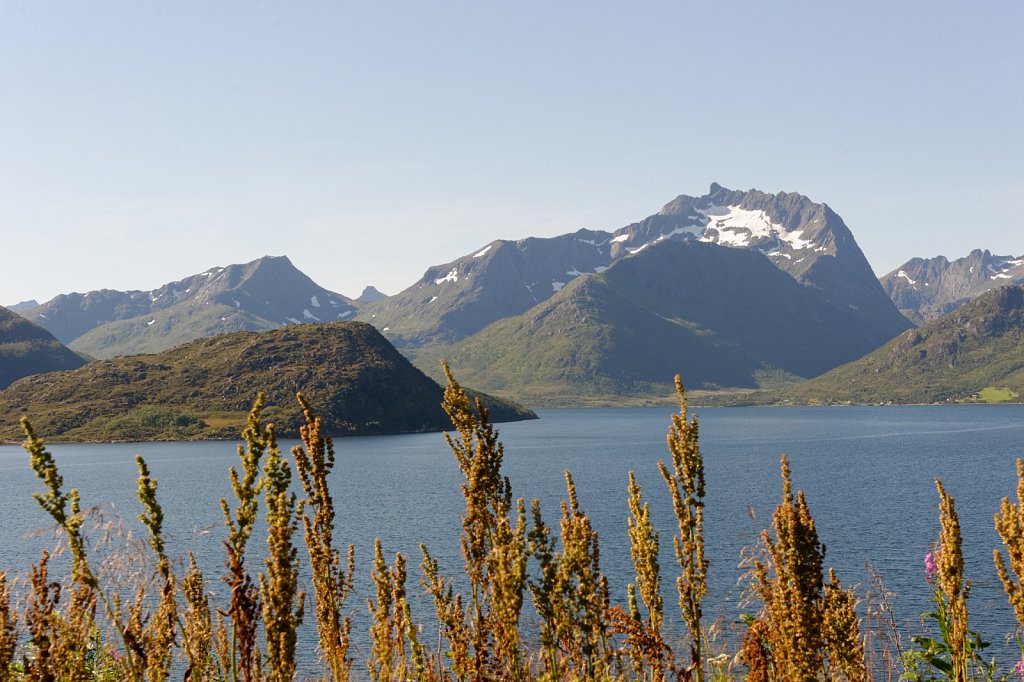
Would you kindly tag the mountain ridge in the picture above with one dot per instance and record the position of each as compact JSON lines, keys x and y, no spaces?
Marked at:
{"x":263,"y":294}
{"x":504,"y":278}
{"x":928,"y":288}
{"x":720,"y":317}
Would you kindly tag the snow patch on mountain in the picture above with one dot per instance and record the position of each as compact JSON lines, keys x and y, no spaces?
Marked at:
{"x":557,"y":286}
{"x":308,"y":315}
{"x":452,"y":276}
{"x":482,"y":252}
{"x":904,"y":275}
{"x":620,"y":238}
{"x":314,"y":302}
{"x":740,"y":227}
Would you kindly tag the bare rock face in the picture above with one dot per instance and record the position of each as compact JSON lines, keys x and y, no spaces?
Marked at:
{"x":264,"y":294}
{"x":806,"y":240}
{"x":928,"y":288}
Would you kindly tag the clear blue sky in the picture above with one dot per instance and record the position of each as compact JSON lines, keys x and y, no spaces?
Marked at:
{"x":141,"y":142}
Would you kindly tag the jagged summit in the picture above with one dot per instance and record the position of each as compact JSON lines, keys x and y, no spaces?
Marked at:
{"x":927,"y":288}
{"x":371,"y":294}
{"x":807,"y":240}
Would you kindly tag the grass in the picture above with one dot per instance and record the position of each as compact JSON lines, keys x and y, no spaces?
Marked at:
{"x":991,"y":394}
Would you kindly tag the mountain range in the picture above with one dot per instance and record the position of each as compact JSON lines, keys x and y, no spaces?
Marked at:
{"x":265,"y":294}
{"x":734,"y":289}
{"x":928,"y":288}
{"x":718,"y":316}
{"x":806,"y":240}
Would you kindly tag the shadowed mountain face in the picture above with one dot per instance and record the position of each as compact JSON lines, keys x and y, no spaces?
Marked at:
{"x":807,"y":241}
{"x":264,"y":294}
{"x":357,"y":382}
{"x":27,"y":349}
{"x":721,"y":317}
{"x":977,"y":346}
{"x":928,"y":288}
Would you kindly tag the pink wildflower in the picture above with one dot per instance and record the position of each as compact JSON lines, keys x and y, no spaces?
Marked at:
{"x":1018,"y":669}
{"x":930,"y":568}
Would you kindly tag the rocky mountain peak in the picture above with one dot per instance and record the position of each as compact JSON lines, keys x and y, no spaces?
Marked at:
{"x":371,"y":294}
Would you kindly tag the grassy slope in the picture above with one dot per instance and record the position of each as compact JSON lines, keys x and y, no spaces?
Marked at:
{"x":719,"y":317}
{"x":978,"y":346}
{"x":355,"y":380}
{"x":163,"y":329}
{"x":27,"y":349}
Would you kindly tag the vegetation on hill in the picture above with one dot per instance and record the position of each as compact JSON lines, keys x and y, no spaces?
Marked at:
{"x":27,"y":349}
{"x":727,"y":318}
{"x":974,"y":353}
{"x":354,"y":377}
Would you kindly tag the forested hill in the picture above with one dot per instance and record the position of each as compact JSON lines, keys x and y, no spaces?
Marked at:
{"x":353,"y":377}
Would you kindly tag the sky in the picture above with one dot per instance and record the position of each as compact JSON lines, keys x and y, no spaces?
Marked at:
{"x":143,"y":142}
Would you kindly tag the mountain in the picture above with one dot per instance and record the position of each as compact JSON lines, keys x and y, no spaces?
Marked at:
{"x":369,"y":295}
{"x":975,"y":351}
{"x":267,"y":293}
{"x":357,"y":382}
{"x":806,"y":240}
{"x":27,"y":349}
{"x":720,"y":317}
{"x":24,"y":306}
{"x":928,"y":288}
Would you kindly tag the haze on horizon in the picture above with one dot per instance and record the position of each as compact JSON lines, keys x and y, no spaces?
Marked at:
{"x":144,"y":143}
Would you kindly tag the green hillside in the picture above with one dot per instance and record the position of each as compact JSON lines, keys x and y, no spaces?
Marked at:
{"x":723,"y":318}
{"x":163,"y":329}
{"x":27,"y":349}
{"x":354,"y":378}
{"x":974,"y":353}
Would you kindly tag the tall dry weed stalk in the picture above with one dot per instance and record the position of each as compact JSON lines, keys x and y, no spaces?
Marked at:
{"x":685,"y":482}
{"x":397,"y":655}
{"x":160,"y":636}
{"x":279,"y":586}
{"x":949,"y":578}
{"x":332,"y":579}
{"x":644,"y":639}
{"x":1009,"y":523}
{"x":66,"y":635}
{"x":494,"y":549}
{"x":197,"y":627}
{"x":8,"y":628}
{"x":806,"y":629}
{"x":237,"y":643}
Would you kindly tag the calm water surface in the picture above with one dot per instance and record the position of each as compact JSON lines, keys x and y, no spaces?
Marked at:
{"x":867,"y":474}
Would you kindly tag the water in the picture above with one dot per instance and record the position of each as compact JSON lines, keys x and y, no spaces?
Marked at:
{"x":868,"y":474}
